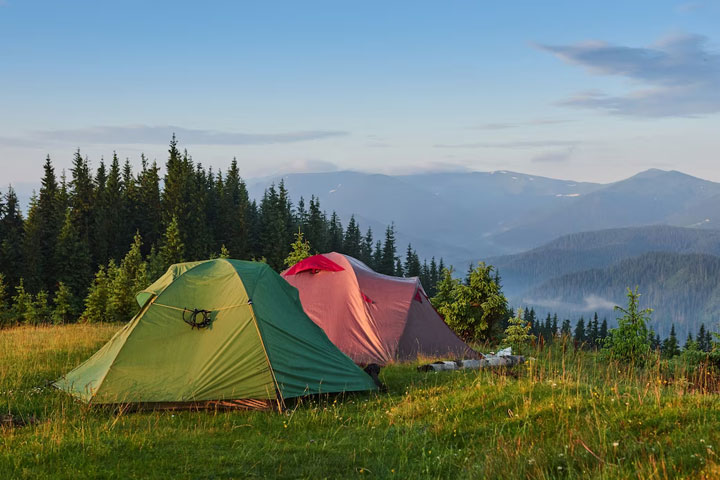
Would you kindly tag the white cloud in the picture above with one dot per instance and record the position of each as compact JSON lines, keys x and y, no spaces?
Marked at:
{"x":679,"y":76}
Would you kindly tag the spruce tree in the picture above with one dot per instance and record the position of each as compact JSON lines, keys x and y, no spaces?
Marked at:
{"x":173,"y":249}
{"x":73,"y":261}
{"x":554,"y":328}
{"x":412,"y":263}
{"x":82,"y":201}
{"x":629,"y":341}
{"x":4,"y":302}
{"x":22,"y":302}
{"x":65,"y":305}
{"x":366,"y":248}
{"x":131,"y":277}
{"x":12,"y":261}
{"x":41,"y":232}
{"x":299,"y":250}
{"x":149,"y":209}
{"x":580,"y":336}
{"x":517,"y":334}
{"x":670,"y":347}
{"x":352,"y":242}
{"x":317,"y":228}
{"x":703,"y":344}
{"x":566,"y":329}
{"x":387,"y":263}
{"x":232,"y":218}
{"x":39,"y":311}
{"x":399,"y":270}
{"x":604,"y":330}
{"x":335,"y":233}
{"x":97,"y":299}
{"x":378,"y":257}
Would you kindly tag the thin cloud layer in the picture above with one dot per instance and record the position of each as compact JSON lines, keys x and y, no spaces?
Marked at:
{"x":157,"y":135}
{"x":679,"y":76}
{"x":519,"y":144}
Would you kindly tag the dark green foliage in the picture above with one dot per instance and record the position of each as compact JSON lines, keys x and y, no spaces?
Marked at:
{"x":580,"y":335}
{"x":41,"y":232}
{"x":73,"y":260}
{"x":172,"y":249}
{"x":629,"y":341}
{"x":412,"y":263}
{"x":335,"y":234}
{"x":232,"y":226}
{"x":352,"y":242}
{"x":366,"y":248}
{"x":387,"y":261}
{"x":670,"y":346}
{"x":65,"y":305}
{"x":12,"y":234}
{"x":475,"y":309}
{"x":566,"y":329}
{"x":316,"y":230}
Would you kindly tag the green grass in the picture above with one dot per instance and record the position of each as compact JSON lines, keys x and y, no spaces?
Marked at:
{"x":560,"y":416}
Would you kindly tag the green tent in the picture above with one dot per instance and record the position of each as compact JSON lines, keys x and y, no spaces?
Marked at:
{"x":256,"y":348}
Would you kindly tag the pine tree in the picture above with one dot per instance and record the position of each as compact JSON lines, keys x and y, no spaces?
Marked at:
{"x":149,"y":210}
{"x":97,"y":299}
{"x":670,"y":347}
{"x":554,"y":327}
{"x":703,"y":344}
{"x":5,"y":318}
{"x":299,"y":250}
{"x":73,"y":261}
{"x":580,"y":335}
{"x":335,"y":233}
{"x":22,"y":302}
{"x":131,"y":277}
{"x":317,"y":227}
{"x":387,"y":263}
{"x":65,"y":310}
{"x":172,"y":250}
{"x":399,"y":271}
{"x":224,"y":252}
{"x":412,"y":263}
{"x":82,"y":201}
{"x":691,"y":344}
{"x":378,"y":257}
{"x":566,"y":329}
{"x":629,"y":341}
{"x":232,"y":218}
{"x":12,"y":262}
{"x":517,"y":334}
{"x":352,"y":243}
{"x":274,"y":212}
{"x":366,"y":249}
{"x":594,"y":333}
{"x":41,"y":232}
{"x":604,"y":330}
{"x":39,"y":311}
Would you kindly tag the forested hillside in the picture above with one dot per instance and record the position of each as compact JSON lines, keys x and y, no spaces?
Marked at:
{"x":598,"y":249}
{"x":93,"y":237}
{"x":681,"y":288}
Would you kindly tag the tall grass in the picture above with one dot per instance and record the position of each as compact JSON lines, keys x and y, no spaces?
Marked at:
{"x":563,"y":414}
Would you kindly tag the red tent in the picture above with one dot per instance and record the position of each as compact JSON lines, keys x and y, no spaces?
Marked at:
{"x":373,"y":318}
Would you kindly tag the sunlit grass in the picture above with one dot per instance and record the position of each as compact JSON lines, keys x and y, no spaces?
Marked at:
{"x":563,"y":415}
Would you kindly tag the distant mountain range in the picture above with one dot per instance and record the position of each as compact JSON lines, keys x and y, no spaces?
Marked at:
{"x":464,"y":217}
{"x":677,"y":271}
{"x":560,"y":245}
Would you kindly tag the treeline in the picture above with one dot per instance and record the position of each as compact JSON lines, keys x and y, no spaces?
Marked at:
{"x":591,"y":334}
{"x":681,"y":287}
{"x":89,"y":241}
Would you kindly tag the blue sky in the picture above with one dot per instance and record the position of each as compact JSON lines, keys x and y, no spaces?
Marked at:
{"x":585,"y":90}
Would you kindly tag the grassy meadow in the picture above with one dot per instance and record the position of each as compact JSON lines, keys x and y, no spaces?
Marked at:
{"x":561,"y":415}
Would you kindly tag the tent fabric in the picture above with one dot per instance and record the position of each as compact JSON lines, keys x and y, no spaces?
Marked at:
{"x":374,"y":318}
{"x":315,"y":264}
{"x":259,"y":345}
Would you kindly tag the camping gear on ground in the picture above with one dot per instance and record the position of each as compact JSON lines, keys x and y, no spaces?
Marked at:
{"x":373,"y":318}
{"x":223,"y":331}
{"x":503,"y":358}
